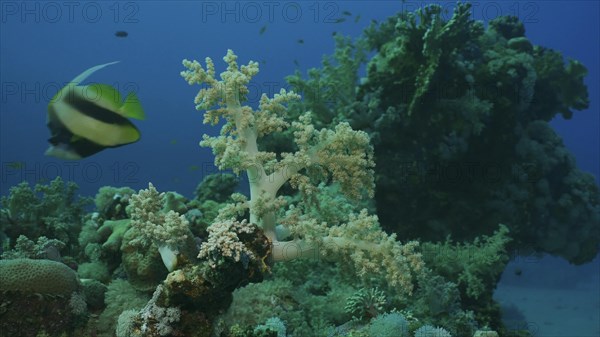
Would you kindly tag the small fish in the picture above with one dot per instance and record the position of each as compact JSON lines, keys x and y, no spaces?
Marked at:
{"x":15,"y":165}
{"x":296,"y":63}
{"x":121,"y":33}
{"x":339,"y":20}
{"x":334,"y":33}
{"x":193,"y":168}
{"x":356,"y":19}
{"x":173,"y":141}
{"x":300,"y":41}
{"x":84,"y":120}
{"x":262,"y":30}
{"x":346,"y":13}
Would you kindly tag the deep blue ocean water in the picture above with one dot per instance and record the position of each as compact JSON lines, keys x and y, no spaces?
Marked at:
{"x":46,"y":44}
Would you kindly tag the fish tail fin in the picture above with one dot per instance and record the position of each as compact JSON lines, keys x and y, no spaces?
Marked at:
{"x":132,"y":108}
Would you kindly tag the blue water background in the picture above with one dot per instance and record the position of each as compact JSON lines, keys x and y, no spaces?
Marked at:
{"x":46,"y":44}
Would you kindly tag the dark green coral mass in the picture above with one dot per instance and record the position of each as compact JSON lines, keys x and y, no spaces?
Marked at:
{"x":458,"y":113}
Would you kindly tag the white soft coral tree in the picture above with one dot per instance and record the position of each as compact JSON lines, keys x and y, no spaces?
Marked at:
{"x":342,"y":156}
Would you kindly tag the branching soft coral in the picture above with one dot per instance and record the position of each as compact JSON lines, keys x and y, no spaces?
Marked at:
{"x":340,"y":155}
{"x":343,"y":154}
{"x":168,"y":230}
{"x":51,"y":210}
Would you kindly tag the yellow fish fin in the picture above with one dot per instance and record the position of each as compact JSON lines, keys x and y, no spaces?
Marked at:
{"x":132,"y":108}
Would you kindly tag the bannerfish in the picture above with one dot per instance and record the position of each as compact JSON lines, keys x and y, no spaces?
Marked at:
{"x":84,"y":120}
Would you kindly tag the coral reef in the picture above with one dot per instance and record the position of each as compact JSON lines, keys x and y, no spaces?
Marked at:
{"x":162,"y":228}
{"x":304,"y":252}
{"x":44,"y":291}
{"x":217,"y":187}
{"x":51,"y":210}
{"x":354,"y":241}
{"x":430,"y":331}
{"x":152,"y":320}
{"x":37,"y":276}
{"x":458,"y":114}
{"x":339,"y":155}
{"x":112,"y":232}
{"x":155,"y":231}
{"x":389,"y":325}
{"x":224,"y":243}
{"x":142,"y":263}
{"x":43,"y":248}
{"x":272,"y":324}
{"x":111,"y":201}
{"x":366,"y":303}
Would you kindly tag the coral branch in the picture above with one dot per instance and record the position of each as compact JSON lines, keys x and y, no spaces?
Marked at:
{"x":340,"y":156}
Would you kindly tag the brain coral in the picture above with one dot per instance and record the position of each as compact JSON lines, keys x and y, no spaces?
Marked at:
{"x":37,"y":276}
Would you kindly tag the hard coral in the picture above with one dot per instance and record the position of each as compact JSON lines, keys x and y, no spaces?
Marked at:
{"x":37,"y":276}
{"x":44,"y":291}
